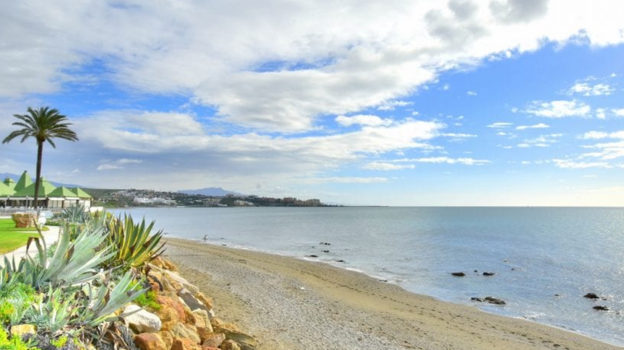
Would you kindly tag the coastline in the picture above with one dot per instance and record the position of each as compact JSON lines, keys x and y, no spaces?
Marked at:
{"x":289,"y":303}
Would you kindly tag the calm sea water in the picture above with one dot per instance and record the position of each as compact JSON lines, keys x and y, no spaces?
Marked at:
{"x":536,"y":253}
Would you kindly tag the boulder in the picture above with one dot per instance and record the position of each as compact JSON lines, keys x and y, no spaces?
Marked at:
{"x":181,"y":330}
{"x":214,"y":340}
{"x":601,"y":308}
{"x":23,"y":220}
{"x":191,"y":301}
{"x":476,"y":299}
{"x":166,"y":337}
{"x":204,"y":333}
{"x":458,"y":274}
{"x":202,"y":320}
{"x":176,"y":279}
{"x":141,"y":321}
{"x":149,"y":341}
{"x":489,"y":273}
{"x":184,"y":344}
{"x":591,"y":296}
{"x":172,"y":303}
{"x":230,"y":345}
{"x":168,"y":316}
{"x":207,"y":301}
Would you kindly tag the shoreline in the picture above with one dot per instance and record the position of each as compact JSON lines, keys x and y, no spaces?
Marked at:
{"x":295,"y":303}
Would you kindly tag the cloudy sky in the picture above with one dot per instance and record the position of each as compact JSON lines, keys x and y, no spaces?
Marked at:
{"x":460,"y":102}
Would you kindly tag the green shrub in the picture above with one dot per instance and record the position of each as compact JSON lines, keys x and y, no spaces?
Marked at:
{"x":15,"y":300}
{"x":134,"y":245}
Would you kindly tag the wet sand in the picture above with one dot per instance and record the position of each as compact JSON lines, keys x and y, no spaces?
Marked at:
{"x":289,"y":303}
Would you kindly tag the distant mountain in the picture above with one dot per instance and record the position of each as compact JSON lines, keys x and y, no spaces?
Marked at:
{"x":211,"y":191}
{"x":16,"y":177}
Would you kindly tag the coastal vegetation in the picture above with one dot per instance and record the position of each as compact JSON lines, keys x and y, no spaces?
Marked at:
{"x":76,"y":288}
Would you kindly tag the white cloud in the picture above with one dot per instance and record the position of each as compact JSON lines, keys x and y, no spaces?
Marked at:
{"x":387,"y":166}
{"x":570,"y":164}
{"x":500,"y":125}
{"x":279,"y":67}
{"x":601,"y":113}
{"x":618,"y":112}
{"x":471,"y":93}
{"x":370,"y":120}
{"x":586,"y":89}
{"x":458,"y":135}
{"x":391,"y":105}
{"x":541,"y":141}
{"x":347,"y":180}
{"x":444,"y":160}
{"x":535,"y":126}
{"x":596,"y":135}
{"x":117,"y":164}
{"x":559,"y":109}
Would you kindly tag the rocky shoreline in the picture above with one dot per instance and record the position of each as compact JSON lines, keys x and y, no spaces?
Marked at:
{"x":185,"y":319}
{"x":287,"y":303}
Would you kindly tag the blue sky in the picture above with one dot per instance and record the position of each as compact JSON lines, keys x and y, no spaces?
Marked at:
{"x":502,"y":102}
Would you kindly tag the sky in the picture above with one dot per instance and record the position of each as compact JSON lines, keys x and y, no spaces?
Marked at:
{"x":367,"y":102}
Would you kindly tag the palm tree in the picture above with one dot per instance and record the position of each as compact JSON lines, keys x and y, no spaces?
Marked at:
{"x":44,"y":124}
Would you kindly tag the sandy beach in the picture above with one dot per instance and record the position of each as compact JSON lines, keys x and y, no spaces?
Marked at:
{"x":289,"y":303}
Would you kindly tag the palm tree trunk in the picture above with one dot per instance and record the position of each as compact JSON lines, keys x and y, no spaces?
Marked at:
{"x":38,"y":178}
{"x":37,"y":183}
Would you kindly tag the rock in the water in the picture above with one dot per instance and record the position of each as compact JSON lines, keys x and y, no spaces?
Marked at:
{"x":458,"y":274}
{"x":489,"y":273}
{"x":141,"y":321}
{"x":476,"y":299}
{"x":601,"y":308}
{"x":495,"y":301}
{"x":312,"y":256}
{"x":149,"y":341}
{"x":591,"y":296}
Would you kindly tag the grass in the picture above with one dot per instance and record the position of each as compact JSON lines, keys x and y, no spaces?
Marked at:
{"x":12,"y":238}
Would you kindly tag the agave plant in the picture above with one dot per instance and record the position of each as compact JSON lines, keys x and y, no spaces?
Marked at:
{"x":134,"y":244}
{"x":72,"y":263}
{"x":77,"y":214}
{"x":105,"y":299}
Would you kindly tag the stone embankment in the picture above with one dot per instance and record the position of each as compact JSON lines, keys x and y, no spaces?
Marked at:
{"x":185,"y":320}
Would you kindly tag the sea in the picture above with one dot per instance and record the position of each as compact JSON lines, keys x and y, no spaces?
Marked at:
{"x":544,"y":260}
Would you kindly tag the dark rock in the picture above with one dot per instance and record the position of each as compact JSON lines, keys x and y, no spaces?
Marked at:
{"x":324,"y":243}
{"x":325,"y":251}
{"x":591,"y":296}
{"x":312,"y":256}
{"x":476,"y":271}
{"x":476,"y":299}
{"x":495,"y":301}
{"x":601,"y":308}
{"x":489,"y":273}
{"x":341,"y":261}
{"x":458,"y":274}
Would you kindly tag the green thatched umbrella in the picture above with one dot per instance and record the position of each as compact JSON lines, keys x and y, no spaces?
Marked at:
{"x":45,"y":188}
{"x":23,"y":182}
